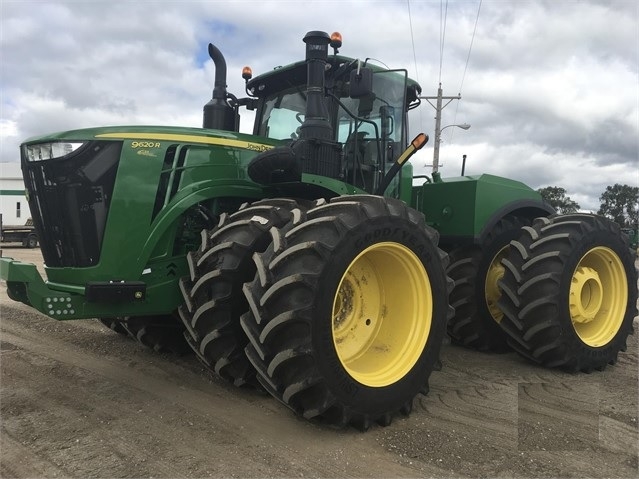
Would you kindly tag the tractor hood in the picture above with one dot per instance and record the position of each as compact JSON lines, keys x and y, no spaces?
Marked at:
{"x":94,"y":189}
{"x":154,"y":133}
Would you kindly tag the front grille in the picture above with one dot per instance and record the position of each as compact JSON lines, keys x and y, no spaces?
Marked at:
{"x":69,"y":198}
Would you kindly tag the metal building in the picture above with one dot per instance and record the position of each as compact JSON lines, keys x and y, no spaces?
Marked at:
{"x":13,"y":202}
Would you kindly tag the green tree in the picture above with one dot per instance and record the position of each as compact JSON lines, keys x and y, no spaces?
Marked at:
{"x":620,"y":203}
{"x":556,"y":197}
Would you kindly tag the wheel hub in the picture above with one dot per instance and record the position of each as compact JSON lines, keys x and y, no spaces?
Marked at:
{"x":492,"y":292}
{"x":586,"y":295}
{"x":343,"y":305}
{"x":598,"y":296}
{"x":382,"y":314}
{"x":356,"y":303}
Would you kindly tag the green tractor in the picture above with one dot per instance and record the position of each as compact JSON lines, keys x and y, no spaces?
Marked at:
{"x":302,"y":258}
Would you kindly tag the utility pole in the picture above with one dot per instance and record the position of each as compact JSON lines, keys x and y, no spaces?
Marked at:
{"x":438,"y":121}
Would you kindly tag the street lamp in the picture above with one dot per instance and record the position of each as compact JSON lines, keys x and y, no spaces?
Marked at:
{"x":438,"y":139}
{"x":463,"y":126}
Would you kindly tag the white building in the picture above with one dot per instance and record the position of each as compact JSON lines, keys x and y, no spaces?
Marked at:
{"x":13,"y":202}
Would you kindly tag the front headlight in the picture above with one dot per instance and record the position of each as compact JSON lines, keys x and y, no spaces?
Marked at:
{"x":52,"y":150}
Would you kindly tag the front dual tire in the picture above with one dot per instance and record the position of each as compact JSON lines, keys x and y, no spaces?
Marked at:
{"x":348,"y":310}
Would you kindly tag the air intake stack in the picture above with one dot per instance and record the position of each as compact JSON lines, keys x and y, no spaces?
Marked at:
{"x":316,"y":148}
{"x":315,"y":151}
{"x":316,"y":125}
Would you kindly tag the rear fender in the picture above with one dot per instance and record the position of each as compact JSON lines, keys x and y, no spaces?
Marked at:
{"x":525,"y":208}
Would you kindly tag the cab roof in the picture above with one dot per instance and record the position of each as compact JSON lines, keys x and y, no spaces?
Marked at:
{"x":295,"y":74}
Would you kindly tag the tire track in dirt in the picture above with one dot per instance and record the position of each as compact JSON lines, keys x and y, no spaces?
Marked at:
{"x":256,"y":435}
{"x":23,"y":463}
{"x":498,"y":415}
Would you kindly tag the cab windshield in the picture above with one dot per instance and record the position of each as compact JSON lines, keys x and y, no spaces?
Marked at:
{"x":283,"y":114}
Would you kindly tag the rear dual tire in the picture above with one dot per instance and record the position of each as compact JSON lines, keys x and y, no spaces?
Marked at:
{"x":476,"y":271}
{"x":161,"y":333}
{"x":569,"y":292}
{"x":115,"y":325}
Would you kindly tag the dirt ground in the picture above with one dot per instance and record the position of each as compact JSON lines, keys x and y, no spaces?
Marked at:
{"x":78,"y":400}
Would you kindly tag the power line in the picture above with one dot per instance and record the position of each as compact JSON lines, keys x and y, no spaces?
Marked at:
{"x":470,"y":48}
{"x":412,"y":38}
{"x":442,"y":35}
{"x":443,"y":15}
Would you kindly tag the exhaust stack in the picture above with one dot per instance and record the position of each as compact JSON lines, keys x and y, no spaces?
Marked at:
{"x":218,"y":114}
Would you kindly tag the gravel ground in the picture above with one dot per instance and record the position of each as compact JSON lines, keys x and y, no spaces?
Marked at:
{"x":78,"y":400}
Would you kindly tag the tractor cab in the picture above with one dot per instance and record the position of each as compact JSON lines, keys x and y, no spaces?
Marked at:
{"x":363,"y":110}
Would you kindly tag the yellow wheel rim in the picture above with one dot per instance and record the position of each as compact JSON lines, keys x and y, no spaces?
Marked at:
{"x":382,"y":314}
{"x":598,"y":296}
{"x":493,"y":293}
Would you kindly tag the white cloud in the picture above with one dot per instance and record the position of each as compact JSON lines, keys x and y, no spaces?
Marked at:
{"x":551,"y":89}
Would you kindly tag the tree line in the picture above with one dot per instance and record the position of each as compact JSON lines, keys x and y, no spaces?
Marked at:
{"x":619,"y":203}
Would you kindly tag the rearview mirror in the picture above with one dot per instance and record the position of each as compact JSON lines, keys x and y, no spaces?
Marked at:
{"x":361,"y":81}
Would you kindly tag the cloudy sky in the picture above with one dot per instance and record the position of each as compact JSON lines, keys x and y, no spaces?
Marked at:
{"x":551,"y":88}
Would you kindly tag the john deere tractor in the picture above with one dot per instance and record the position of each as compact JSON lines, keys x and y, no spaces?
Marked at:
{"x":304,"y":259}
